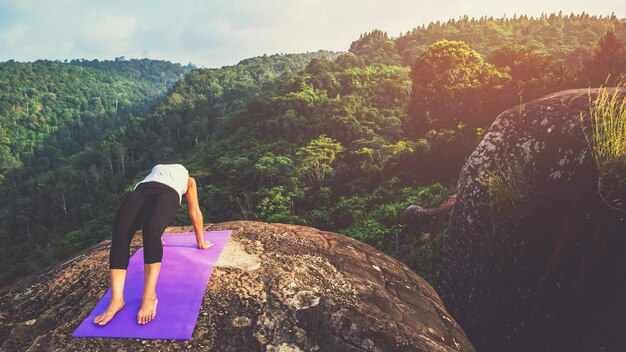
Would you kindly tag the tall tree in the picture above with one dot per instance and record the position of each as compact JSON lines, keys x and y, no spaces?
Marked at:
{"x":608,"y":61}
{"x":533,"y":72}
{"x":316,"y":158}
{"x":452,"y":84}
{"x":376,"y":47}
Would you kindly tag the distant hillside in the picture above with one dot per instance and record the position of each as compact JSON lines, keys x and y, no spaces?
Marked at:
{"x":50,"y":109}
{"x":567,"y":37}
{"x":156,"y":72}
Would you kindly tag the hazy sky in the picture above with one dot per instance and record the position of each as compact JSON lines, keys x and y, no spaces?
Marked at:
{"x":216,"y":33}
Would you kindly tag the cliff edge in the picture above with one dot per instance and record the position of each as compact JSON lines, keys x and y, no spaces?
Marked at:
{"x":276,"y":287}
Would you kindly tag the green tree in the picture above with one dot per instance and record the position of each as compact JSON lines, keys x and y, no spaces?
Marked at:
{"x":533,"y":73}
{"x":274,"y":169}
{"x":608,"y":61}
{"x":376,"y":47}
{"x":451,"y":84}
{"x":315,"y":159}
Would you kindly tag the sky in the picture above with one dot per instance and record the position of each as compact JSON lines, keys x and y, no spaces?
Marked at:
{"x":216,"y":33}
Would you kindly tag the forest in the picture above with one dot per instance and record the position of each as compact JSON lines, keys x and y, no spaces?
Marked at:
{"x":341,"y":141}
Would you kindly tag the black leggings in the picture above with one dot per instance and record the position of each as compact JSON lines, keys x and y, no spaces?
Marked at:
{"x":153,"y":205}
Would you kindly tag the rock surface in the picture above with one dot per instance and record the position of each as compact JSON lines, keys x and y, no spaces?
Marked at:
{"x":549,"y":275}
{"x":276,"y":287}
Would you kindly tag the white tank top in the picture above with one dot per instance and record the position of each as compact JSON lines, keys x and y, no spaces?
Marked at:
{"x":173,"y":175}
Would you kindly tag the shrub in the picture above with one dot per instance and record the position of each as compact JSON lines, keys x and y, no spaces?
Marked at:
{"x":509,"y":185}
{"x":426,"y":260}
{"x":607,"y":141}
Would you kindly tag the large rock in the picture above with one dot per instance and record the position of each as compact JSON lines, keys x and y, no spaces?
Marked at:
{"x":549,"y":275}
{"x":276,"y":287}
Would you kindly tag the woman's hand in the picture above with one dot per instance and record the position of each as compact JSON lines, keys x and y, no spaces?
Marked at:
{"x":205,"y":245}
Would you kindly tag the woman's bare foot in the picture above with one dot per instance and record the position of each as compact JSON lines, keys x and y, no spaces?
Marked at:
{"x":147,"y":311}
{"x":114,"y":306}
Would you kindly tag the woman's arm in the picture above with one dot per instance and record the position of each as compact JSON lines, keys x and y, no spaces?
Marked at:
{"x":195,"y":214}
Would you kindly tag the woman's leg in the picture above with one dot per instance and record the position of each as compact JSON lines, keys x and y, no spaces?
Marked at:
{"x":127,"y":222}
{"x":164,"y":207}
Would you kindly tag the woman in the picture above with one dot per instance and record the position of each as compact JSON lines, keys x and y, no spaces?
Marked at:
{"x":152,"y":204}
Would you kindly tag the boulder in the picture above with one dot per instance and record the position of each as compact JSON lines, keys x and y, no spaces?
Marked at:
{"x":276,"y":287}
{"x":414,"y":218}
{"x":547,"y":274}
{"x":417,"y":219}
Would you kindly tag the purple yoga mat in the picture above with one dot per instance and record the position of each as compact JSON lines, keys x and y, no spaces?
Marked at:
{"x":184,"y":276}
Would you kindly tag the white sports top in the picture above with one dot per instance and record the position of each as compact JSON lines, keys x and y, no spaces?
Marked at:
{"x":173,"y":175}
